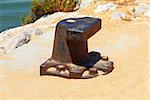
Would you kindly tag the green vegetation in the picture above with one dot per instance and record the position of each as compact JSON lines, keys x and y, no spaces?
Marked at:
{"x":40,"y":8}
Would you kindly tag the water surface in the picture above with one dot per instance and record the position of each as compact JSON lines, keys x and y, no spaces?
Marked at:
{"x":10,"y":12}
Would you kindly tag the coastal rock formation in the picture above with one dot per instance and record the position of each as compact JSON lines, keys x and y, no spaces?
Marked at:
{"x":15,"y":42}
{"x":22,"y":39}
{"x":9,"y":41}
{"x":23,"y":34}
{"x":141,"y":9}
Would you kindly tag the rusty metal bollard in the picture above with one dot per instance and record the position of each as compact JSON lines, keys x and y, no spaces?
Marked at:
{"x":70,"y":50}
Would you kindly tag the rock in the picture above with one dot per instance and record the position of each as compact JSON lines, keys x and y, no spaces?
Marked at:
{"x":77,"y":4}
{"x":14,"y":38}
{"x":121,"y":16}
{"x":85,"y":3}
{"x":22,"y":39}
{"x":37,"y":31}
{"x":141,"y":9}
{"x":117,"y":15}
{"x":15,"y":42}
{"x":53,"y":25}
{"x":127,"y":17}
{"x":105,"y":7}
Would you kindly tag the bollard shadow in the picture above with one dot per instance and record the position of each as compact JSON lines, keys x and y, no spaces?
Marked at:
{"x":94,"y":58}
{"x":97,"y":62}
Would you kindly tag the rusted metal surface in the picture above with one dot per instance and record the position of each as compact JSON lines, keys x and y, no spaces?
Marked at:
{"x":70,"y":50}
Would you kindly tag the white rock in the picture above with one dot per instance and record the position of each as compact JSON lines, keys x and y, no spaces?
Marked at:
{"x":53,"y":25}
{"x":37,"y":31}
{"x":104,"y":7}
{"x":117,"y":15}
{"x":23,"y":39}
{"x":85,"y":3}
{"x":142,"y":8}
{"x":15,"y":42}
{"x":1,"y":48}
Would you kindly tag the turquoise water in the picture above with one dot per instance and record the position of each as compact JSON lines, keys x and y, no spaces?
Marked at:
{"x":10,"y":12}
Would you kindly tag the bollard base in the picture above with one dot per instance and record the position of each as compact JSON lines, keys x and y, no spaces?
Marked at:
{"x":76,"y":71}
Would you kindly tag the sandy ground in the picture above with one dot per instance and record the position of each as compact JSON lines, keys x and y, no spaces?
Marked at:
{"x":126,"y":44}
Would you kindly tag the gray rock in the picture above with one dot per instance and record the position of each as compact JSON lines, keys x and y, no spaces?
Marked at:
{"x":24,"y":38}
{"x":15,"y":42}
{"x":117,"y":15}
{"x":1,"y":48}
{"x":77,"y":3}
{"x":142,"y":9}
{"x":38,"y":31}
{"x":85,"y":3}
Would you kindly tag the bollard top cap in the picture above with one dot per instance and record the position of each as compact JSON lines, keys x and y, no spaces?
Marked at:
{"x":80,"y":24}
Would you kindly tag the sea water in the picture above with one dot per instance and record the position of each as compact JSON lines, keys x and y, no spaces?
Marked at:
{"x":11,"y":11}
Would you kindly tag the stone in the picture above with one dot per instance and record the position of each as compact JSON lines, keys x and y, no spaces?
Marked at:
{"x":127,"y":17}
{"x":37,"y":31}
{"x":15,"y":42}
{"x":117,"y":15}
{"x":85,"y":3}
{"x":141,"y":9}
{"x":24,"y":38}
{"x":105,"y":7}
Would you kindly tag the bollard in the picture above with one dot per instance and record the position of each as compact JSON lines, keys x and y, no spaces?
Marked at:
{"x":70,"y":51}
